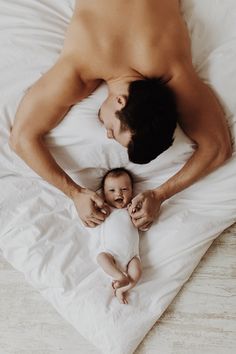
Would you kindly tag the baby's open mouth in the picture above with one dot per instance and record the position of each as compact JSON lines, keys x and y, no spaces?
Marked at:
{"x":119,"y":200}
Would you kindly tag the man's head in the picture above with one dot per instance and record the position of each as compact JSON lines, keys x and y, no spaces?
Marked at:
{"x":108,"y":116}
{"x":117,"y":187}
{"x":144,"y":120}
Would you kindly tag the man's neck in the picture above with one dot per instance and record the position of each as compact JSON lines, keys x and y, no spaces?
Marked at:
{"x":119,"y":85}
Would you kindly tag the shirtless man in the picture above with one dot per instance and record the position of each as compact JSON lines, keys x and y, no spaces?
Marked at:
{"x":120,"y":42}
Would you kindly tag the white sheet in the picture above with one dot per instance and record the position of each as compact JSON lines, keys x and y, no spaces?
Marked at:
{"x":40,"y":233}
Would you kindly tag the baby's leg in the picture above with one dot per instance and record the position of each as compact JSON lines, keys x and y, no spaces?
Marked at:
{"x":134,"y":271}
{"x":107,"y":262}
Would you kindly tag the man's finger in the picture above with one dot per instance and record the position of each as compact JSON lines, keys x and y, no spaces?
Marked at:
{"x":134,"y":209}
{"x":97,"y":214}
{"x":138,"y":215}
{"x":136,"y":201}
{"x":105,"y":209}
{"x":146,"y":227}
{"x":102,"y":207}
{"x":95,"y":220}
{"x":98,"y":201}
{"x":90,"y":224}
{"x":85,"y":223}
{"x":140,"y":222}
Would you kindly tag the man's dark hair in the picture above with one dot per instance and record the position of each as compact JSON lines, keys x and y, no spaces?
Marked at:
{"x":151,"y":115}
{"x":116,"y":172}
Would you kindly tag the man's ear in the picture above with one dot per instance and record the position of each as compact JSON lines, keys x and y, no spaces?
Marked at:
{"x":121,"y":101}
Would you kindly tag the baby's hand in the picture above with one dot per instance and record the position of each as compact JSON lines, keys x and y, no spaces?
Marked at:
{"x":133,"y":209}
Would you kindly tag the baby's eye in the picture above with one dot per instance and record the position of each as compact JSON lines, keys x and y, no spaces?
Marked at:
{"x":124,"y":189}
{"x":111,"y":190}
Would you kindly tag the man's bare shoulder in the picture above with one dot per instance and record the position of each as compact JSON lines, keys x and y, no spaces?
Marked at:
{"x":157,"y":37}
{"x":63,"y":84}
{"x":169,"y":45}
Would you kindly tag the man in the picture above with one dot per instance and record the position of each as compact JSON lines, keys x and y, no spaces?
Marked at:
{"x":142,"y":50}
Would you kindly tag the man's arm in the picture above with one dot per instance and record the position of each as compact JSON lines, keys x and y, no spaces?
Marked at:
{"x":41,"y":109}
{"x":203,"y":120}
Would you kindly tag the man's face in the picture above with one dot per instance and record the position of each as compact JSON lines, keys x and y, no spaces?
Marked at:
{"x":118,"y":190}
{"x":112,"y":123}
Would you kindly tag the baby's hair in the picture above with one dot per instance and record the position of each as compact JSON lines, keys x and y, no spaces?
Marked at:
{"x":116,"y":172}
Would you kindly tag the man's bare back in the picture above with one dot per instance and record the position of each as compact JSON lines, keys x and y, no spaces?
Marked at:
{"x":124,"y":37}
{"x":124,"y":43}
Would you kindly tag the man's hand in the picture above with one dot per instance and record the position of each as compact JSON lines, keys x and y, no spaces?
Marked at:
{"x":144,"y":209}
{"x":91,"y":207}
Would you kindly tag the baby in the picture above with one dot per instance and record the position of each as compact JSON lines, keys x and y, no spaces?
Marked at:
{"x":119,"y":253}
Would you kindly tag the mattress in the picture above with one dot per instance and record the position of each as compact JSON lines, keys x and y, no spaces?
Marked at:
{"x":40,"y":232}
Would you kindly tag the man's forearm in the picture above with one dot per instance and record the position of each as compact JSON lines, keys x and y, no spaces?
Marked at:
{"x":200,"y":164}
{"x":37,"y":156}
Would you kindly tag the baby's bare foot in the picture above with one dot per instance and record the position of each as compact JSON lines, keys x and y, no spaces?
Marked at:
{"x":119,"y":283}
{"x":121,"y":296}
{"x":120,"y":287}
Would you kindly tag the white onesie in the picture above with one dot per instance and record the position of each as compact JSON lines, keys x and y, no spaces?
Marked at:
{"x":119,"y":237}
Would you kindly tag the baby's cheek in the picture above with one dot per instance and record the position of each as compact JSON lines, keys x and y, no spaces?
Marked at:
{"x":129,"y":197}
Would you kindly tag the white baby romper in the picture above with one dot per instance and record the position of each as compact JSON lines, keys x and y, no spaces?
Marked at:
{"x":119,"y":237}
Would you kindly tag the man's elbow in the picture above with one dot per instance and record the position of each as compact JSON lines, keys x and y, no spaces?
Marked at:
{"x":17,"y":141}
{"x":14,"y":141}
{"x":223,"y":153}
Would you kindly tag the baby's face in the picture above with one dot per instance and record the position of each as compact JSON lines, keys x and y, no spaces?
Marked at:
{"x":118,"y":191}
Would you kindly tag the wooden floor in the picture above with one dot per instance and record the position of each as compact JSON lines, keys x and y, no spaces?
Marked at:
{"x":201,"y":320}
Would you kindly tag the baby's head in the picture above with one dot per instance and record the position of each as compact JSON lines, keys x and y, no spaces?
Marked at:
{"x":117,"y":187}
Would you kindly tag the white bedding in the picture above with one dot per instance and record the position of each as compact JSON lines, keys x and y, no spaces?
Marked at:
{"x":40,"y":233}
